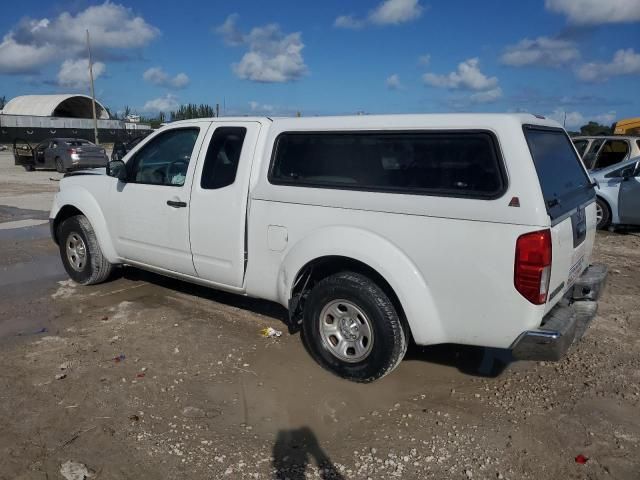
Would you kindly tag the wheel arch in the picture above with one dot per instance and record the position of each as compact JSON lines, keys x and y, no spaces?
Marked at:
{"x":613,"y":215}
{"x":78,"y":201}
{"x":341,"y":248}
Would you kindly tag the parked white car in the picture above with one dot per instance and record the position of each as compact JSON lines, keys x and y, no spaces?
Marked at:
{"x":618,"y":194}
{"x":601,"y":152}
{"x":372,"y":230}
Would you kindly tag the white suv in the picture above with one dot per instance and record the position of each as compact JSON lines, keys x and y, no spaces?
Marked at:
{"x":371,"y":230}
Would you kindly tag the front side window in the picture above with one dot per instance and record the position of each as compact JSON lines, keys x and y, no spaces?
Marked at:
{"x":165,"y":159}
{"x":223,"y":156}
{"x":452,"y":163}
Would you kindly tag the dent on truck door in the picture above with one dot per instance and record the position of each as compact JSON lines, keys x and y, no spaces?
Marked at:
{"x":629,"y":200}
{"x":219,"y":202}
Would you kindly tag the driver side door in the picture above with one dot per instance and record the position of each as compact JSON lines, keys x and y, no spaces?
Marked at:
{"x":150,"y":211}
{"x":629,"y":199}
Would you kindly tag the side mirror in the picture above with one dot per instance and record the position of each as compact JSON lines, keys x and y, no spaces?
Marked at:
{"x":117,"y":169}
{"x":627,"y":173}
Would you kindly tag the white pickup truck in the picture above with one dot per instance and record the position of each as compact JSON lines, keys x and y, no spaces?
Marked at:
{"x":372,"y":230}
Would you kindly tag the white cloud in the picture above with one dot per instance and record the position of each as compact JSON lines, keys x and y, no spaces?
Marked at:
{"x":487,"y":96}
{"x":389,"y":12}
{"x":542,"y":51}
{"x":393,"y":12}
{"x":75,"y":73}
{"x":596,"y":12}
{"x":33,"y":43}
{"x":575,"y":119}
{"x":393,"y":82}
{"x":468,"y":76}
{"x":349,"y":21}
{"x":272,"y":57}
{"x":229,"y":31}
{"x":167,"y":103}
{"x":624,"y":62}
{"x":424,"y":60}
{"x":157,"y":76}
{"x":257,"y":107}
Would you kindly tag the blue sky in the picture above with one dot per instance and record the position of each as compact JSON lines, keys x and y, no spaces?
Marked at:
{"x":573,"y":59}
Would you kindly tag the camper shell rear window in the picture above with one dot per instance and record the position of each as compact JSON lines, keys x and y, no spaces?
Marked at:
{"x":565,"y":184}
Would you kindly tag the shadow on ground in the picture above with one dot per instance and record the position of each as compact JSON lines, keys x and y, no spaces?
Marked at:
{"x":294,"y":450}
{"x":470,"y":360}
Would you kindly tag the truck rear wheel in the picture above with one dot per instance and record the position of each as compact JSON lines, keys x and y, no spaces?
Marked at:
{"x":81,"y":255}
{"x":352,"y":328}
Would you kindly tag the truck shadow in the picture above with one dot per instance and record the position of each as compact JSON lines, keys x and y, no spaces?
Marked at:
{"x":470,"y":360}
{"x":293,"y":451}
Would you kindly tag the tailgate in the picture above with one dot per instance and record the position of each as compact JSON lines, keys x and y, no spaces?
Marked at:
{"x":572,"y":241}
{"x":569,"y":198}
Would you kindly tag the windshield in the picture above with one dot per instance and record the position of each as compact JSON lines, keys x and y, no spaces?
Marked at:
{"x":565,"y":185}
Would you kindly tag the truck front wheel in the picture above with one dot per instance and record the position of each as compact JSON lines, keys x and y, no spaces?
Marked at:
{"x":352,"y":328}
{"x":81,"y":255}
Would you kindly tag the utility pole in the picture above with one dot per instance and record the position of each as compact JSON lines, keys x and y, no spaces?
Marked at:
{"x":217,"y":109}
{"x":93,"y":92}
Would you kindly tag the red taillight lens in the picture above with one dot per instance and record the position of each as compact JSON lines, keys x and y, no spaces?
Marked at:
{"x":72,"y":151}
{"x":533,"y":266}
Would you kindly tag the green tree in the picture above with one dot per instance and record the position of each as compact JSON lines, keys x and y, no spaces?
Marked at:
{"x":594,"y":128}
{"x":191,"y":110}
{"x":3,"y":102}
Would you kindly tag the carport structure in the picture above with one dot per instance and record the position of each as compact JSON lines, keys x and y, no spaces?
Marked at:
{"x":67,"y":106}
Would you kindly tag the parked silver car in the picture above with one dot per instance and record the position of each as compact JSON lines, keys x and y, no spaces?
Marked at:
{"x":63,"y":154}
{"x":618,"y":194}
{"x":603,"y":152}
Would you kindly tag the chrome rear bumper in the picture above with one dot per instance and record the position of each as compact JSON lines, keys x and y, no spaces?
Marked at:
{"x":566,"y":322}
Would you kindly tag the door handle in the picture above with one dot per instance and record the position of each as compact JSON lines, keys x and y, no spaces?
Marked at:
{"x":176,"y":204}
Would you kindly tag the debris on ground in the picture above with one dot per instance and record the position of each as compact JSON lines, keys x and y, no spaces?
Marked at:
{"x":74,"y":471}
{"x":270,"y":332}
{"x":119,"y":358}
{"x":37,"y":332}
{"x":581,"y":459}
{"x":61,"y":376}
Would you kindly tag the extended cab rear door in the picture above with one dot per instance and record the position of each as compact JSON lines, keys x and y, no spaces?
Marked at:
{"x":569,"y":198}
{"x":219,"y":197}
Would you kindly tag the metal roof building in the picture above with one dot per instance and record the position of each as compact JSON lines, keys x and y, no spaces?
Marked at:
{"x":69,"y":106}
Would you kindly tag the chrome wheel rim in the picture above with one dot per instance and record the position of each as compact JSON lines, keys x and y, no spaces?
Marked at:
{"x":599,"y":213}
{"x":76,"y":252}
{"x":346,"y":331}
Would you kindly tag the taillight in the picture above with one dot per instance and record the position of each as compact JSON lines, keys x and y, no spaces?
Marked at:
{"x":533,"y":266}
{"x":72,"y":151}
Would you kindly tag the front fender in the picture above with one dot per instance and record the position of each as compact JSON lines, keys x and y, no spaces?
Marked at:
{"x":378,"y":253}
{"x":80,"y":198}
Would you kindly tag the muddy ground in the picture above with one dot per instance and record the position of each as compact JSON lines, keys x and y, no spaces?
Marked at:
{"x":145,"y":378}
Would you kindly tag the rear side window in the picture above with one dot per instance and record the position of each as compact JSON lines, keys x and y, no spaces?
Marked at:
{"x":223,"y":156}
{"x":452,"y":163}
{"x":565,"y":185}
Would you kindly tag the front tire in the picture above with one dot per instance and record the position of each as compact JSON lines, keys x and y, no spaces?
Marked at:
{"x":352,"y":329}
{"x":80,"y":252}
{"x":603,"y":214}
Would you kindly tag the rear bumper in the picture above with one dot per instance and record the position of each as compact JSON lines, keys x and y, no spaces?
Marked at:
{"x":566,"y":322}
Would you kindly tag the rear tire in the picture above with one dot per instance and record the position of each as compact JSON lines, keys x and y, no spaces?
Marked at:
{"x":60,"y":165}
{"x":80,"y":252}
{"x":352,"y":329}
{"x":603,"y":213}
